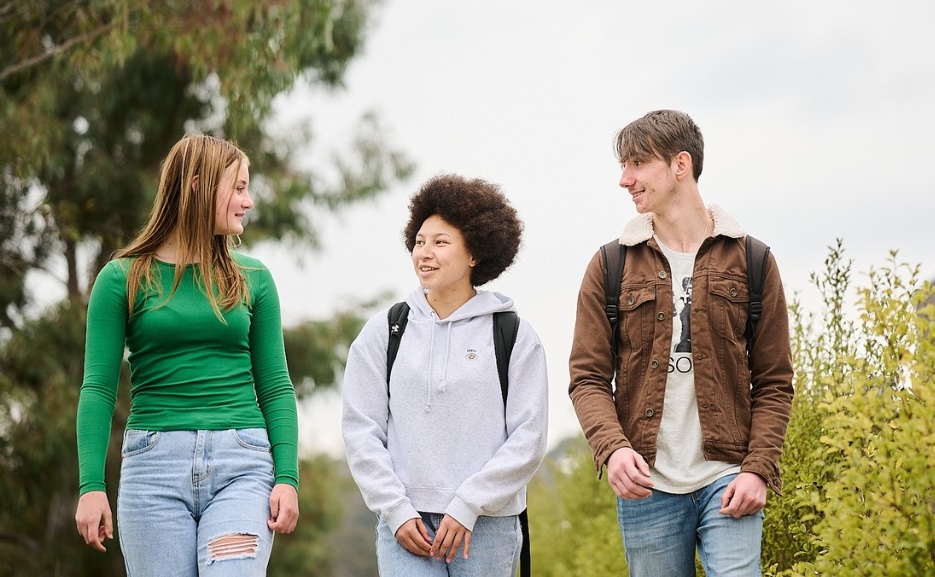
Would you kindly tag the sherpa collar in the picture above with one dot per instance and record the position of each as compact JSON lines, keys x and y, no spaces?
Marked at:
{"x":640,"y":229}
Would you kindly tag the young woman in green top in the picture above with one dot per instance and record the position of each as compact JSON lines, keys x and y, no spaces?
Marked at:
{"x":209,"y":466}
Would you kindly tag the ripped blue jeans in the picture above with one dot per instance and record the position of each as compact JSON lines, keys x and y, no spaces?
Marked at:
{"x":195,"y":503}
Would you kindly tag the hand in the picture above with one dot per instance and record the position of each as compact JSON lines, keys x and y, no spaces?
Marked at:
{"x":448,"y":539}
{"x":745,"y":495}
{"x":414,"y":537}
{"x":94,"y":519}
{"x":628,"y":474}
{"x":283,"y":508}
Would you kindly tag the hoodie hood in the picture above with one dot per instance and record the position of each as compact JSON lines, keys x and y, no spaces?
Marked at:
{"x":483,"y":303}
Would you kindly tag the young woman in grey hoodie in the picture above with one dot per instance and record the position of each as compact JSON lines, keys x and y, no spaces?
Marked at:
{"x":436,"y":453}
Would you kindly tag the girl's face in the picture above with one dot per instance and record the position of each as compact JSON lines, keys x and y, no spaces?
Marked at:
{"x":233,"y":200}
{"x":441,"y":258}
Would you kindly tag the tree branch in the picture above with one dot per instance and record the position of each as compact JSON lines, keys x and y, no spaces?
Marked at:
{"x":35,"y":60}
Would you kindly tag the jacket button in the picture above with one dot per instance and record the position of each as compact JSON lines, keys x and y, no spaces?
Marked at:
{"x":733,"y":292}
{"x":662,"y":274}
{"x":630,"y":301}
{"x":654,"y":363}
{"x":661,"y":316}
{"x":650,"y":412}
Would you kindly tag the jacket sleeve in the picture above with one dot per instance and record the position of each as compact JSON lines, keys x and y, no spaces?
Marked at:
{"x":365,"y":422}
{"x":515,"y":462}
{"x":771,"y":382}
{"x":591,"y":369}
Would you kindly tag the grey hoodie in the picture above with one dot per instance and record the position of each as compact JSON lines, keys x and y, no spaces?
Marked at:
{"x":441,"y":442}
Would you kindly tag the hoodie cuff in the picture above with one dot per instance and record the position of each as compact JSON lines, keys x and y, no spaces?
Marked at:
{"x":399,"y":515}
{"x":462,"y":513}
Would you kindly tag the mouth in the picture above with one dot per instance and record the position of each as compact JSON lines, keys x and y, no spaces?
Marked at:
{"x":427,"y":268}
{"x":637,"y":194}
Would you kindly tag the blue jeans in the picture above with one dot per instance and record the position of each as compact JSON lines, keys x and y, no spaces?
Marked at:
{"x":195,"y":503}
{"x":660,"y":534}
{"x":495,"y":545}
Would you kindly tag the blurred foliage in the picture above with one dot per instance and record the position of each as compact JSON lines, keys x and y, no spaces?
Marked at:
{"x":858,"y":464}
{"x":573,"y":517}
{"x":93,"y":93}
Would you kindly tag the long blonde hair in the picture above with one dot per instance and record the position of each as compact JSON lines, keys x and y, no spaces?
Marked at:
{"x":185,"y":207}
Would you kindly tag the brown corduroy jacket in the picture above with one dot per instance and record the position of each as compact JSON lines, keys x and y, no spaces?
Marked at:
{"x":743,"y":403}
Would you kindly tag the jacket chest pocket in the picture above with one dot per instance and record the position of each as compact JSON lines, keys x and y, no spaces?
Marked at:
{"x":637,"y":316}
{"x":729,"y":306}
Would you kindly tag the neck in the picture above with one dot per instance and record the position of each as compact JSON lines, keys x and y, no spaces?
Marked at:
{"x":168,"y":251}
{"x":683,"y":231}
{"x":446,"y":302}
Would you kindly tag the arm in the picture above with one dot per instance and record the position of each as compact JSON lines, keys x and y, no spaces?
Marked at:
{"x":104,"y":346}
{"x":274,"y":390}
{"x":515,"y":462}
{"x":591,"y":370}
{"x":771,"y":376}
{"x":276,"y":399}
{"x":364,"y":425}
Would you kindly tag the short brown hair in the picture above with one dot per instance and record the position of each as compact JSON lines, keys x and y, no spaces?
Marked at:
{"x":491,"y":228}
{"x":661,"y":134}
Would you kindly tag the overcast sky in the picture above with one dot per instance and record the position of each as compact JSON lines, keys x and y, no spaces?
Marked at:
{"x":818,"y":118}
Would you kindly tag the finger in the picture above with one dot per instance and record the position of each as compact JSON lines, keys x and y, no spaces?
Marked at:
{"x":108,"y":524}
{"x":726,"y":497}
{"x":423,"y":532}
{"x":454,"y":543}
{"x":440,"y":535}
{"x":467,"y":544}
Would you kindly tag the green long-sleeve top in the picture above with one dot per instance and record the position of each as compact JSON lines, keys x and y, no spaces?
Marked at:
{"x":188,"y":370}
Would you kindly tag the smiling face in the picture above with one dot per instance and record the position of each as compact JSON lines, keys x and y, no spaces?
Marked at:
{"x":233,"y":200}
{"x":441,"y":258}
{"x":652,"y":183}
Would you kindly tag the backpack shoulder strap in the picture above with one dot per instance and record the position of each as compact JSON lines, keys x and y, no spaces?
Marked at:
{"x":505,"y":329}
{"x":397,"y":317}
{"x":614,"y":256}
{"x":757,"y":253}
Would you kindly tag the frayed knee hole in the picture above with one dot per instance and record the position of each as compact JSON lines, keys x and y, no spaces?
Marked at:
{"x":233,"y":545}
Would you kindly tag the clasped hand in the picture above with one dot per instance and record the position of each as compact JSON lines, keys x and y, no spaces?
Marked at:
{"x":449,"y":537}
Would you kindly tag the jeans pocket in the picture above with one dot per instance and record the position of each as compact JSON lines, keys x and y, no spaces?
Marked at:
{"x":136,"y":442}
{"x":254,"y":439}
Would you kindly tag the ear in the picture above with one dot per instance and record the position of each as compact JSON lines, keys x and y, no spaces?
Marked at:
{"x":472,"y":263}
{"x":682,"y":164}
{"x":195,"y":183}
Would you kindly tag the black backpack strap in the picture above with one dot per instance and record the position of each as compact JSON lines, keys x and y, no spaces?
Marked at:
{"x":397,"y":318}
{"x":524,"y":555}
{"x":614,"y":257}
{"x":505,"y":329}
{"x":757,"y":253}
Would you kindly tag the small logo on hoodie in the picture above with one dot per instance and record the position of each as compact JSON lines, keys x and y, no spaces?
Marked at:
{"x":471,"y":354}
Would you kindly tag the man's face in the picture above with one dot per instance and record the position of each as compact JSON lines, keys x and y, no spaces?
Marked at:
{"x":650,"y":182}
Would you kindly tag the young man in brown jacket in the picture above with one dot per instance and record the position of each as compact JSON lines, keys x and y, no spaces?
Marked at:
{"x":692,"y":431}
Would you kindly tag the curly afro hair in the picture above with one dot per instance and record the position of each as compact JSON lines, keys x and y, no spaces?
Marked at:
{"x":491,"y":228}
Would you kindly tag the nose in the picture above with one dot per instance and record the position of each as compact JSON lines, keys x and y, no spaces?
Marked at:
{"x":247,"y":201}
{"x":626,"y":177}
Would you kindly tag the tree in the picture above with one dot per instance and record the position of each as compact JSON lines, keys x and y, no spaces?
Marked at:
{"x":94,"y":92}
